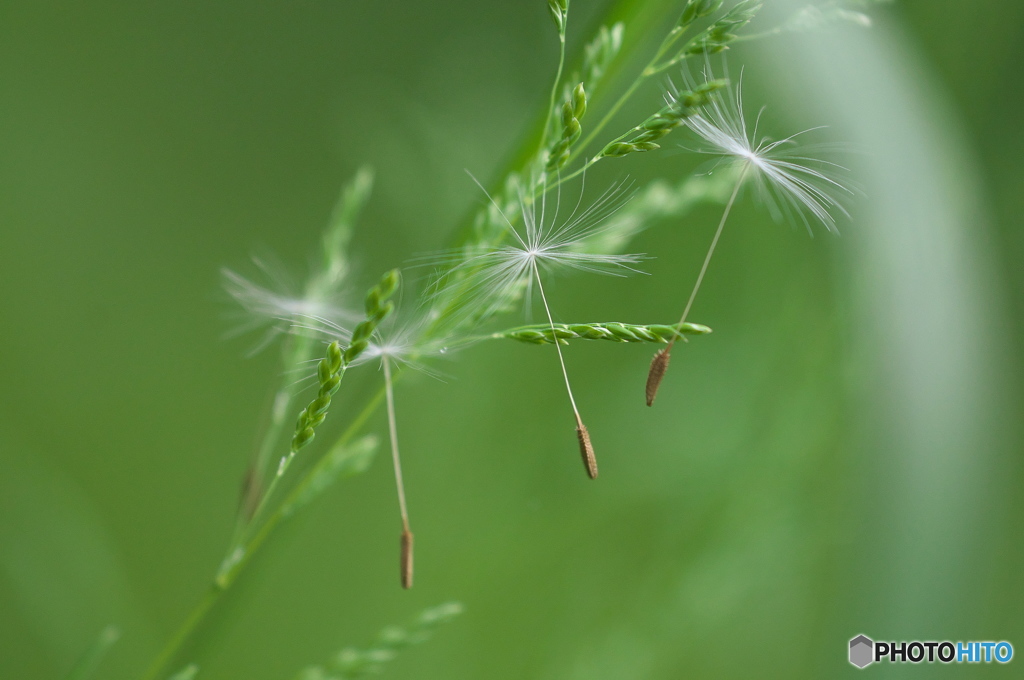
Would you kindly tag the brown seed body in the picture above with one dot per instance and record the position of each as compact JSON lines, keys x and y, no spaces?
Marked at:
{"x":659,"y":364}
{"x":406,"y":565}
{"x":586,"y":450}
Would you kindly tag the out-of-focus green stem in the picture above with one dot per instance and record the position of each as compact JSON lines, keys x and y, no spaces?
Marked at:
{"x":227,"y":577}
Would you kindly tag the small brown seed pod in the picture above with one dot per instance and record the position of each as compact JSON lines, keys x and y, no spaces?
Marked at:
{"x":658,"y":367}
{"x":406,"y":559}
{"x":586,"y":449}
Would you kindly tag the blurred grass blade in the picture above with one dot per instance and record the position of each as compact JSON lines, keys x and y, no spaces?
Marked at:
{"x":658,"y":202}
{"x":343,"y":220}
{"x":186,"y":673}
{"x":86,"y":665}
{"x":354,"y":663}
{"x":343,"y":460}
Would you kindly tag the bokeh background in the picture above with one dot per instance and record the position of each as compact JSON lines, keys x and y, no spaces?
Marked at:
{"x":842,"y":456}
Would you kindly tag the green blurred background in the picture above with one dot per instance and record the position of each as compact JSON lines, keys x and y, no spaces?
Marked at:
{"x":842,"y":456}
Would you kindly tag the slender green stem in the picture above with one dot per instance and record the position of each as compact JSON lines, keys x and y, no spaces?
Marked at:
{"x":641,"y":16}
{"x":770,"y":33}
{"x":554,"y":92}
{"x":353,"y":429}
{"x":89,"y":661}
{"x":594,"y":131}
{"x":298,"y":349}
{"x":245,"y":553}
{"x":184,"y":631}
{"x":651,"y":69}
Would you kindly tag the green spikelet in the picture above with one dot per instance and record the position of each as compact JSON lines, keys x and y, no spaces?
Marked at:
{"x":545,"y":334}
{"x":333,"y":365}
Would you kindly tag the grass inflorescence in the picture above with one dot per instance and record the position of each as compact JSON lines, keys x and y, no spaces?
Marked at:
{"x":614,"y":331}
{"x":331,"y":368}
{"x":355,"y":662}
{"x":525,"y":231}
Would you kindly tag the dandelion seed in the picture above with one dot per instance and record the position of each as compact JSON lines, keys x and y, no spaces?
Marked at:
{"x":277,"y":310}
{"x":402,"y":338}
{"x":546,"y":242}
{"x":788,"y":181}
{"x":405,"y":342}
{"x":500,"y":274}
{"x":395,"y":341}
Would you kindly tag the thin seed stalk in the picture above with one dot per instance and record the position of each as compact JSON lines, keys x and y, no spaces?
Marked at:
{"x":649,"y":70}
{"x":407,"y":537}
{"x":659,"y":365}
{"x":586,"y":448}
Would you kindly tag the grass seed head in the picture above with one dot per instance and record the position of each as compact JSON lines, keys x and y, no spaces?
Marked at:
{"x":659,"y":365}
{"x":586,"y":449}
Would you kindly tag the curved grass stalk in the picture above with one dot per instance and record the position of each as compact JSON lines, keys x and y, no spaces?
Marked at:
{"x":244,"y":553}
{"x":90,"y":660}
{"x":323,"y":283}
{"x":329,"y":374}
{"x":554,"y":85}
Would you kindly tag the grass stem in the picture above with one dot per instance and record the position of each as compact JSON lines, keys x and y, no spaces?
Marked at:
{"x":226,"y":579}
{"x":554,"y":93}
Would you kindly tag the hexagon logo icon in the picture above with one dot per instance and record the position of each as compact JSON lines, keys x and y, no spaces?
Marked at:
{"x":862,"y":651}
